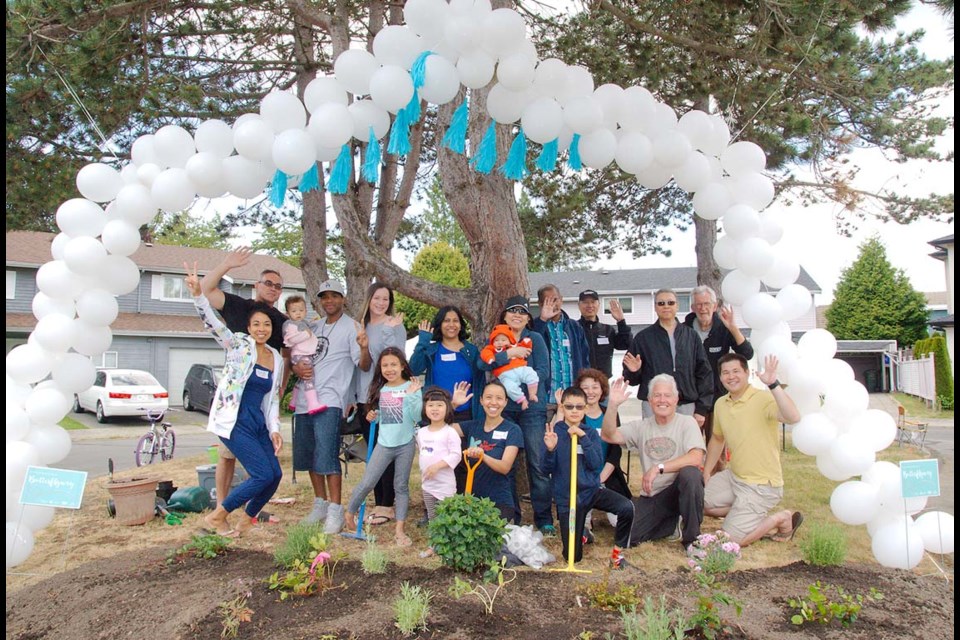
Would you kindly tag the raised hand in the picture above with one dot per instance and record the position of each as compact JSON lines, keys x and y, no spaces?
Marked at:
{"x":558,"y":395}
{"x":551,"y":307}
{"x":394,"y":321}
{"x":362,"y":338}
{"x":616,"y":310}
{"x":415,"y":385}
{"x":192,"y":280}
{"x":461,"y":394}
{"x":726,"y":315}
{"x":632,"y":362}
{"x":550,"y":438}
{"x":238,"y":258}
{"x":619,"y":392}
{"x":425,"y":325}
{"x":769,"y":374}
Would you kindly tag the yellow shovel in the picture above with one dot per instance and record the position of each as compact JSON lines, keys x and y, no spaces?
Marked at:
{"x":572,"y":520}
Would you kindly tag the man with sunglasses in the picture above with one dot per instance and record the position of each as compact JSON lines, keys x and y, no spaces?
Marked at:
{"x":235,"y":311}
{"x":671,"y":347}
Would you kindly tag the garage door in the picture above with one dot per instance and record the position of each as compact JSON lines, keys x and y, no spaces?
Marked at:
{"x":180,"y":362}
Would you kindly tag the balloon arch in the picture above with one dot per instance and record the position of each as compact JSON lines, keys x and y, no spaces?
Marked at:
{"x":444,"y":51}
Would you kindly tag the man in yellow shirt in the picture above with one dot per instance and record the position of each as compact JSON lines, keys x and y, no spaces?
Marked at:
{"x":747,"y":420}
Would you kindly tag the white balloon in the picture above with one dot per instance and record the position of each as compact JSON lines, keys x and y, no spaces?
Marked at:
{"x":441,"y":82}
{"x":205,"y":169}
{"x":463,"y":32}
{"x":583,"y":114}
{"x":121,"y":275}
{"x":753,"y":189}
{"x":354,"y":68}
{"x":654,"y":175}
{"x":882,"y":472}
{"x":80,"y":217}
{"x":31,"y":516}
{"x":244,"y":177}
{"x":172,"y":190}
{"x":579,"y":83}
{"x":516,"y":71}
{"x":845,"y":402}
{"x":696,"y":125}
{"x":610,"y":97}
{"x":324,"y":89}
{"x":283,"y":111}
{"x":19,"y":544}
{"x":84,"y":255}
{"x":598,"y":149}
{"x":761,"y":311}
{"x":17,"y":392}
{"x":135,"y":204}
{"x":720,"y":136}
{"x":214,"y":137}
{"x":47,"y":406}
{"x":331,"y":125}
{"x":771,"y":226}
{"x":834,"y":373}
{"x":504,"y":30}
{"x":99,"y":182}
{"x":57,"y":245}
{"x":52,"y":442}
{"x":898,"y":545}
{"x":635,"y":109}
{"x":44,"y":305}
{"x":664,"y":117}
{"x":671,"y":148}
{"x":875,"y":428}
{"x":253,"y":139}
{"x":742,"y":158}
{"x":852,"y":455}
{"x":741,"y":222}
{"x":817,"y":344}
{"x":737,"y":287}
{"x":936,"y":531}
{"x":28,"y":363}
{"x":96,"y":338}
{"x":785,"y":270}
{"x":365,"y":114}
{"x":780,"y":346}
{"x":542,"y":120}
{"x":399,"y":45}
{"x":97,"y":306}
{"x":54,"y":332}
{"x":550,"y":78}
{"x":795,"y":299}
{"x":814,"y":434}
{"x":128,"y":174}
{"x":143,"y":151}
{"x":119,"y":237}
{"x":245,"y":118}
{"x":712,"y":200}
{"x":830,"y":469}
{"x":855,"y":502}
{"x":18,"y":423}
{"x":756,"y":257}
{"x":294,"y":151}
{"x":174,"y":145}
{"x":426,"y":17}
{"x":74,"y":373}
{"x":475,"y":69}
{"x":55,"y":279}
{"x":506,"y":106}
{"x":634,"y":151}
{"x":147,"y":173}
{"x":694,"y":173}
{"x":726,"y":251}
{"x":391,"y":88}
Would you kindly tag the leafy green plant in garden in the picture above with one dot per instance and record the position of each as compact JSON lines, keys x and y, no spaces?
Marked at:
{"x":205,"y":546}
{"x":305,"y":577}
{"x":824,"y":546}
{"x":819,"y":607}
{"x":374,"y":559}
{"x":233,"y":613}
{"x":713,"y":553}
{"x":498,"y":577}
{"x":709,"y":596}
{"x":656,"y":623}
{"x":411,"y":608}
{"x":303,"y":542}
{"x":467,"y":532}
{"x":601,"y":597}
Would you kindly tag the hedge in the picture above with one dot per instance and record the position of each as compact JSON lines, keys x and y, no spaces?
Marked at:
{"x":943,"y":370}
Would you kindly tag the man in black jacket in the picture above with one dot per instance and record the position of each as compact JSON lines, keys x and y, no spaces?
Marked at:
{"x":603,"y":338}
{"x":671,"y":347}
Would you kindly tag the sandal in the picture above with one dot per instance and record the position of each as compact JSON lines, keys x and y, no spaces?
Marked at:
{"x":267,"y":518}
{"x":404,"y":541}
{"x":795,"y":521}
{"x":377,"y":519}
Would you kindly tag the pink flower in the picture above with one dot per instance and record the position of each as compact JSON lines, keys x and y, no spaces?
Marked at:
{"x":322,"y":557}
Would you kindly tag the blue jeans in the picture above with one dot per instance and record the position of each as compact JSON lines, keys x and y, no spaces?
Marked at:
{"x":252,"y":446}
{"x":316,"y":442}
{"x":532,"y":423}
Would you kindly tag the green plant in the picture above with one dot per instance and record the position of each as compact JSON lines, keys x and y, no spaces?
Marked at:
{"x":942,"y":367}
{"x":656,"y":623}
{"x":411,"y":608}
{"x":498,"y":573}
{"x":467,"y":532}
{"x":205,"y":546}
{"x":709,"y":595}
{"x":233,"y":613}
{"x":373,"y":560}
{"x":307,"y":577}
{"x":713,"y":553}
{"x":825,"y":545}
{"x":945,"y":402}
{"x":820,"y":608}
{"x":303,"y":542}
{"x":600,"y":596}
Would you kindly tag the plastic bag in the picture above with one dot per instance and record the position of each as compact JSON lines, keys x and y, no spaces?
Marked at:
{"x":526,"y":543}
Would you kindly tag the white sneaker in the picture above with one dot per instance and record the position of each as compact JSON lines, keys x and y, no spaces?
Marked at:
{"x":334,"y":519}
{"x":318,"y":513}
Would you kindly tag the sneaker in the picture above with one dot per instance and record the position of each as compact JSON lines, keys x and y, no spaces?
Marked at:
{"x":334,"y":519}
{"x":318,"y":513}
{"x":617,"y":561}
{"x":587,"y":536}
{"x":548,"y":531}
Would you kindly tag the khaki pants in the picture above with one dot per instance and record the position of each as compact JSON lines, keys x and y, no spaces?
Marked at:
{"x":748,"y":503}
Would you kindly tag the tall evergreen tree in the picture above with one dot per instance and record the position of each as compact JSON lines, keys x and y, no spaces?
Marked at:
{"x":875,"y":301}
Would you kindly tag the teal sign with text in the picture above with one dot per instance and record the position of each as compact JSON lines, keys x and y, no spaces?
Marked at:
{"x":920,"y":478}
{"x":46,"y":487}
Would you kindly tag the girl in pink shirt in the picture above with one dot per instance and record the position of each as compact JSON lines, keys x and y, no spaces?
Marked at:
{"x":439,"y":446}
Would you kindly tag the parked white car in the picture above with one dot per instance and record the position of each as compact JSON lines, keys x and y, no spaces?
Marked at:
{"x":122,"y":392}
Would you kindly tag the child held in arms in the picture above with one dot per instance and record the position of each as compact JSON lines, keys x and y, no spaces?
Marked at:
{"x":299,"y":336}
{"x":516,"y":371}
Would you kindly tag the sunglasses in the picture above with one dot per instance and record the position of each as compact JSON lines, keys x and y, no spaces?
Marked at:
{"x":278,"y":286}
{"x":574,"y":407}
{"x":666,"y":303}
{"x":517,"y":310}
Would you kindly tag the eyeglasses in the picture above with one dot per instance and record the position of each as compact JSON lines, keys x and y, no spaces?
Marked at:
{"x":517,"y":310}
{"x":278,"y":286}
{"x":666,"y":303}
{"x":574,"y":407}
{"x":700,"y":305}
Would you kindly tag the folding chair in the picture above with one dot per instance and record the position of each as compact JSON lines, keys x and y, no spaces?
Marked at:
{"x":353,"y":447}
{"x":911,"y":431}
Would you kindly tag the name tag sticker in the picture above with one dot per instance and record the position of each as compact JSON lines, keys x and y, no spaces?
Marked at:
{"x":566,"y":343}
{"x":603,"y":340}
{"x":448,"y":357}
{"x":499,"y":435}
{"x":263,"y":374}
{"x":715,"y":349}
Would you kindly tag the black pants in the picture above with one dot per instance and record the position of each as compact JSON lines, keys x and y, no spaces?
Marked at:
{"x":604,"y":500}
{"x":656,"y":517}
{"x":383,"y":493}
{"x":460,"y":471}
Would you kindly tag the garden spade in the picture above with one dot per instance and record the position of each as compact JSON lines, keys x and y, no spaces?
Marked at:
{"x":572,"y":520}
{"x":471,"y":470}
{"x":358,"y":534}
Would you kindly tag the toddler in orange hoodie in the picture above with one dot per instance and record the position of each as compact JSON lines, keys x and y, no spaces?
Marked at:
{"x":516,"y":371}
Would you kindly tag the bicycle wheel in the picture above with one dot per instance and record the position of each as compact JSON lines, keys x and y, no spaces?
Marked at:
{"x":146,"y":450}
{"x":167,"y":443}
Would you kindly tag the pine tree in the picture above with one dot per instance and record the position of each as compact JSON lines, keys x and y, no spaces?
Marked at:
{"x":437,"y":262}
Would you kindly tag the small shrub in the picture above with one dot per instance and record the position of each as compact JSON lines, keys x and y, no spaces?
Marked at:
{"x":205,"y":547}
{"x":498,"y":574}
{"x":707,"y":619}
{"x":411,"y":608}
{"x":307,"y":577}
{"x":467,"y":532}
{"x":600,"y":596}
{"x":824,"y":546}
{"x":713,"y":553}
{"x":303,"y":542}
{"x":374,"y":559}
{"x":820,"y":608}
{"x":657,"y":622}
{"x":232,"y":614}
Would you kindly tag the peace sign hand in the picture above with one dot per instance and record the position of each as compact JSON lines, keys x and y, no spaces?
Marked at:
{"x":394,"y":321}
{"x":362,"y":338}
{"x":550,"y":438}
{"x":192,"y":280}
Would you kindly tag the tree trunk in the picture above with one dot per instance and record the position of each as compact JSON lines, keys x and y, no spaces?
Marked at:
{"x":708,"y":272}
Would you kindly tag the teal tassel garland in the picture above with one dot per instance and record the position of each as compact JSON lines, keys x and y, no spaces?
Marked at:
{"x":371,"y":164}
{"x":418,"y":72}
{"x":574,"y":159}
{"x":515,"y":168}
{"x":547,"y":162}
{"x":310,"y":180}
{"x":456,"y":136}
{"x":411,"y":112}
{"x":399,"y":135}
{"x":341,"y":171}
{"x":278,"y":188}
{"x":485,"y":157}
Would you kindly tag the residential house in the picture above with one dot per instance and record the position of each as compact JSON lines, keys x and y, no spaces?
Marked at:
{"x":944,"y":253}
{"x":158,"y":329}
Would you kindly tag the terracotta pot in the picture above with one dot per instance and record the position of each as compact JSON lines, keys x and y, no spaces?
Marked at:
{"x":135,"y":499}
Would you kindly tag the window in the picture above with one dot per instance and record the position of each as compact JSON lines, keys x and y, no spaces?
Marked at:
{"x":11,"y":285}
{"x":625,"y":302}
{"x":106,"y":360}
{"x":170,"y":288}
{"x":684,"y":300}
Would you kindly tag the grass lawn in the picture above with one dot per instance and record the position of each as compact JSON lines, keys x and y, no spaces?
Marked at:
{"x":70,"y":424}
{"x":917,"y":408}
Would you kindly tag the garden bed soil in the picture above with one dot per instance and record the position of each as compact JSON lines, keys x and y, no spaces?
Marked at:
{"x":140,"y":595}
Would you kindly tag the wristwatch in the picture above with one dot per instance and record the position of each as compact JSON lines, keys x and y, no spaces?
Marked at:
{"x":660,"y":466}
{"x":773,"y":385}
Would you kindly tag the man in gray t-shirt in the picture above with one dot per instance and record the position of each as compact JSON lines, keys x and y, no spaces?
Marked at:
{"x":671,"y":451}
{"x":316,"y":439}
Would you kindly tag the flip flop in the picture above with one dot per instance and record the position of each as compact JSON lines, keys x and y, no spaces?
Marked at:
{"x":267,"y":518}
{"x":229,"y":533}
{"x":795,"y":521}
{"x":404,"y":541}
{"x":377,"y":519}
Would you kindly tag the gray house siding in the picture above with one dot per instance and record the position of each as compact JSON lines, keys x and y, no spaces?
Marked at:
{"x":25,"y":289}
